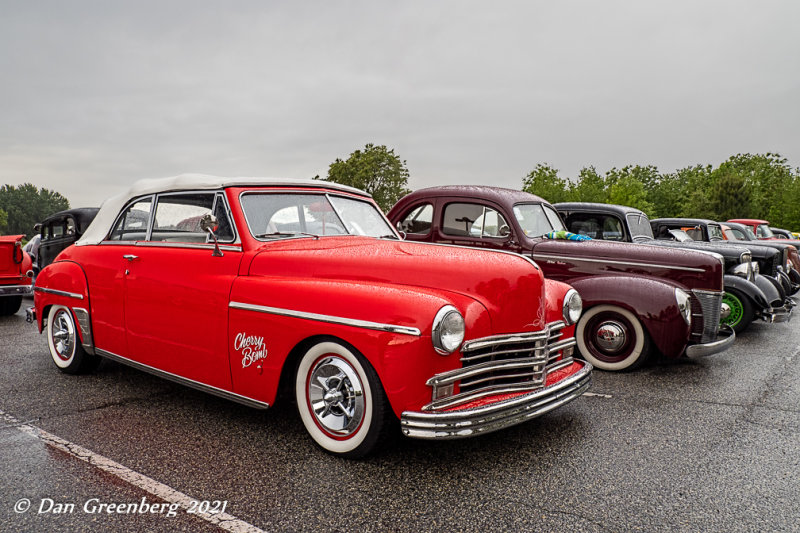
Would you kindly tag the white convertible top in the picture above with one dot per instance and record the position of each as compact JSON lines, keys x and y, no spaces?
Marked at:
{"x":109,"y":210}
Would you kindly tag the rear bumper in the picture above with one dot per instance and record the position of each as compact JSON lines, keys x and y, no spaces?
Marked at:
{"x":458,"y":423}
{"x":726,"y":336}
{"x":14,"y":290}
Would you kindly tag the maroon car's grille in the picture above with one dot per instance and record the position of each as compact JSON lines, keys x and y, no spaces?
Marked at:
{"x":503,"y":363}
{"x":706,"y":310}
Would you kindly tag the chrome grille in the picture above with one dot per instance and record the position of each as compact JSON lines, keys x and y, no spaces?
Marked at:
{"x":705,"y":316}
{"x":501,"y":364}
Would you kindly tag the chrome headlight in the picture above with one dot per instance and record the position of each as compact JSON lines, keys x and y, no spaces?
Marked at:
{"x":742,"y":270}
{"x":754,"y":268}
{"x":684,"y":305}
{"x":573,"y":307}
{"x":448,"y":330}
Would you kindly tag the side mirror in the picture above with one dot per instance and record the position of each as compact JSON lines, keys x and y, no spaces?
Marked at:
{"x":504,"y":231}
{"x":209,"y":224}
{"x":37,"y":227}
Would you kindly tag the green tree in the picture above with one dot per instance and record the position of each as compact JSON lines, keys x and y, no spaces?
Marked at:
{"x":544,"y":181}
{"x":3,"y":221}
{"x":26,"y":205}
{"x":591,"y":187}
{"x":376,"y":170}
{"x":730,"y":195}
{"x":629,"y":190}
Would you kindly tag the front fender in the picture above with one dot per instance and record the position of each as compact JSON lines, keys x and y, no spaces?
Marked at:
{"x":287,"y":315}
{"x":749,"y":289}
{"x":652,"y":301}
{"x":772,"y":289}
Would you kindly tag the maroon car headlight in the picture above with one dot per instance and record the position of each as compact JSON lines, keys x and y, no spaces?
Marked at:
{"x":573,"y":307}
{"x":448,"y":330}
{"x":684,"y":305}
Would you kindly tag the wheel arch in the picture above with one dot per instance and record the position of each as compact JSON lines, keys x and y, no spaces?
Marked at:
{"x":652,"y":301}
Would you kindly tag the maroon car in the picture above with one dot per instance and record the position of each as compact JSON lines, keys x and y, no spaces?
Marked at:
{"x":637,"y":299}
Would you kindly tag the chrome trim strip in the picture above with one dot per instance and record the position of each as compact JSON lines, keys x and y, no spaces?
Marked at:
{"x":194,"y":246}
{"x":492,"y":417}
{"x":509,"y":338}
{"x":404,"y":330}
{"x":573,"y":259}
{"x":86,"y":329}
{"x":13,"y":290}
{"x":228,"y":395}
{"x":59,"y":293}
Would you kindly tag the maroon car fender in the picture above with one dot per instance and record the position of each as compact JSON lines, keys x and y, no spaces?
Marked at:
{"x":658,"y":311}
{"x":66,"y":285}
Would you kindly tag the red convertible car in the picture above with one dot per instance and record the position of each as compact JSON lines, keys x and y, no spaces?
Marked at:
{"x":16,"y":274}
{"x":238,"y":285}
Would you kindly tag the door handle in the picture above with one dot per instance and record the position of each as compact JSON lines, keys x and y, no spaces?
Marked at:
{"x":130,"y":257}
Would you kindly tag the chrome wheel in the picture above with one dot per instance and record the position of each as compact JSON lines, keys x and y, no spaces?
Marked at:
{"x":340,"y":400}
{"x":65,"y":344}
{"x":612,"y":338}
{"x":336,"y":396}
{"x":63,"y":335}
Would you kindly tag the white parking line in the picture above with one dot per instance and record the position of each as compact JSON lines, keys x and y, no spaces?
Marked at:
{"x":147,"y":484}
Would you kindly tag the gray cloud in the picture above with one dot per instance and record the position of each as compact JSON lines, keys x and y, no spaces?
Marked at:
{"x":98,"y":94}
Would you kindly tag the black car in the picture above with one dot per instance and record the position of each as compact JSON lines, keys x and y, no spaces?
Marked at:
{"x":60,"y":230}
{"x":748,"y":295}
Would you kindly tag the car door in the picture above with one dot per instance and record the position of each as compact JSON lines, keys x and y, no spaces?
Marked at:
{"x":177,"y":290}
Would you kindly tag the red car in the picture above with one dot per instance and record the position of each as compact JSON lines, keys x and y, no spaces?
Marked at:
{"x":234,"y":286}
{"x":16,"y":274}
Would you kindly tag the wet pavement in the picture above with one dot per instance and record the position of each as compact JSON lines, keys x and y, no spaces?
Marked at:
{"x":712,"y":445}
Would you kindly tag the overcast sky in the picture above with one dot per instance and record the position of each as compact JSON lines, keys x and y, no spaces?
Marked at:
{"x":95,"y":95}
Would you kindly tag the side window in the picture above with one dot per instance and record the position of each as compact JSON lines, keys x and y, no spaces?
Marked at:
{"x":612,"y":229}
{"x":463,"y":220}
{"x":490,"y":224}
{"x":177,"y":217}
{"x":418,"y":221}
{"x":133,"y":222}
{"x":585,"y":224}
{"x":224,"y":231}
{"x":57,"y":230}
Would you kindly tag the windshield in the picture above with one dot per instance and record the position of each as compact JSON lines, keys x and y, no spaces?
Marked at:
{"x":763,"y":232}
{"x":639,"y":225}
{"x":278,"y":215}
{"x":537,"y":219}
{"x":715,"y":233}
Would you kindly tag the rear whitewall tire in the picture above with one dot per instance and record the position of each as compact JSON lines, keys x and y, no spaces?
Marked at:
{"x":65,"y":344}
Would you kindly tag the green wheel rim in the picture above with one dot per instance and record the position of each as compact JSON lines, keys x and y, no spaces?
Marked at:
{"x":737,"y":309}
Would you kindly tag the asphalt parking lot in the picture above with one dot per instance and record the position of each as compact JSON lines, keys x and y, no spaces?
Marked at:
{"x":712,"y":445}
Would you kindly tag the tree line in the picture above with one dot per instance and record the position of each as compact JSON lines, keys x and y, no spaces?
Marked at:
{"x":745,"y":186}
{"x":762,"y":186}
{"x":23,"y":206}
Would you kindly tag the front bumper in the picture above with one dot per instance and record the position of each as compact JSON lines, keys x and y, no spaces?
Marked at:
{"x":14,"y":290}
{"x":779,"y":314}
{"x":455,"y":423}
{"x":695,"y":351}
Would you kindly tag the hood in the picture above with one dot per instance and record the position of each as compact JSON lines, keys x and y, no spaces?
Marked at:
{"x":509,"y":286}
{"x":694,"y":269}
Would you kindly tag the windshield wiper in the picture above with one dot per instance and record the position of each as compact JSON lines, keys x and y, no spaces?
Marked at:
{"x":286,"y":234}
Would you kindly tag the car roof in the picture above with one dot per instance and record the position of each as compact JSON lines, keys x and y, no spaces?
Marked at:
{"x":704,"y":221}
{"x":500,"y":195}
{"x":189,"y":182}
{"x":594,"y":206}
